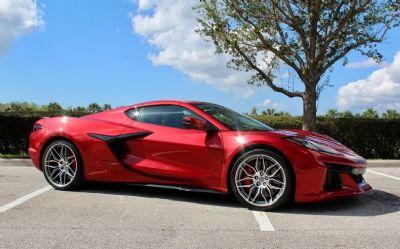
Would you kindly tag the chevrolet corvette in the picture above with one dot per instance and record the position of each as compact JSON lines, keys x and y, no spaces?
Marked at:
{"x":200,"y":146}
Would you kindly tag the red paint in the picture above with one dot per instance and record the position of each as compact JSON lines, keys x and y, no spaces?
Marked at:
{"x":190,"y":157}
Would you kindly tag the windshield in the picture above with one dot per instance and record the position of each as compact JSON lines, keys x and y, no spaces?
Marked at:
{"x":232,"y":120}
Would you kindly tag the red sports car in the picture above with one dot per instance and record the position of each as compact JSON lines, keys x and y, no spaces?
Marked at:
{"x":196,"y":146}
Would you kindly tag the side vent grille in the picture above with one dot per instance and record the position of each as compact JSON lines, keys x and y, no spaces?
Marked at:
{"x":333,"y":181}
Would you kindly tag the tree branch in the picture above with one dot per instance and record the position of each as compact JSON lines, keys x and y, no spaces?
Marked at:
{"x":343,"y":53}
{"x":342,"y":24}
{"x":283,"y":40}
{"x":300,"y":31}
{"x":278,"y":53}
{"x":266,"y":78}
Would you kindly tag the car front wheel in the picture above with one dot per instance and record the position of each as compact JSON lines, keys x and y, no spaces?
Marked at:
{"x":262,"y":180}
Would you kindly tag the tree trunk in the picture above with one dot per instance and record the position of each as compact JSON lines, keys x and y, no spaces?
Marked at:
{"x":309,"y":109}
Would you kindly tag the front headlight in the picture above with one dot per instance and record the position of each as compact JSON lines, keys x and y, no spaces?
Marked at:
{"x":312,"y":145}
{"x":358,"y":171}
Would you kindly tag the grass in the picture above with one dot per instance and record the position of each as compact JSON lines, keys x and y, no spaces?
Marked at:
{"x":21,"y":155}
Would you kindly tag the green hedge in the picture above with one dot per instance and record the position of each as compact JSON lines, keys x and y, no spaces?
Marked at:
{"x":15,"y":129}
{"x":14,"y":133}
{"x":371,"y":138}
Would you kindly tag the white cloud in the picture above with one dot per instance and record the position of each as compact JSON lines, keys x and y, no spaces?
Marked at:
{"x":144,"y":4}
{"x":381,"y":89}
{"x":170,"y":25}
{"x":365,"y":64}
{"x":269,"y":104}
{"x":17,"y":17}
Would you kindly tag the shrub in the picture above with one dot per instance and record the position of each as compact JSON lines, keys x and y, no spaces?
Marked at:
{"x":15,"y":129}
{"x":371,"y":138}
{"x":14,"y":133}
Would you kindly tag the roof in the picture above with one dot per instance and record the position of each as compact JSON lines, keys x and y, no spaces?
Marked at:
{"x":163,"y":102}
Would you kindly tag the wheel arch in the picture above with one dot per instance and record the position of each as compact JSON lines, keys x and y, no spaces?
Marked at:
{"x":52,"y":139}
{"x":254,"y":147}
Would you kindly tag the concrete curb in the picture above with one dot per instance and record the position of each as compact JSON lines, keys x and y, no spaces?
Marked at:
{"x":383,"y":163}
{"x":15,"y":162}
{"x":371,"y":163}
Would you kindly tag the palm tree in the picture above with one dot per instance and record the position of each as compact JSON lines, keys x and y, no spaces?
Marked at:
{"x":253,"y":111}
{"x":107,"y":107}
{"x":80,"y":109}
{"x":332,"y":113}
{"x":94,"y":107}
{"x":391,"y":114}
{"x":282,"y":113}
{"x":54,"y":107}
{"x":370,"y":113}
{"x":347,"y":114}
{"x":269,"y":112}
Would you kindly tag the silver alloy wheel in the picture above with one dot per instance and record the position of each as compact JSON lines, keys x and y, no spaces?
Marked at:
{"x":60,"y":164}
{"x":260,"y":180}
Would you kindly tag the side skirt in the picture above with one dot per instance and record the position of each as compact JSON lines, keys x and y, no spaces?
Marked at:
{"x":180,"y":188}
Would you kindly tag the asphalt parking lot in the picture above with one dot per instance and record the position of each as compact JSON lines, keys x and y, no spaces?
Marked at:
{"x":122,"y":216}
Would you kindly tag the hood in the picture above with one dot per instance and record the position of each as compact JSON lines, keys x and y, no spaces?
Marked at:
{"x":317,"y":138}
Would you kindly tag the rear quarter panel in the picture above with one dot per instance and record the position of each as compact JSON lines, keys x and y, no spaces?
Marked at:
{"x":95,"y":154}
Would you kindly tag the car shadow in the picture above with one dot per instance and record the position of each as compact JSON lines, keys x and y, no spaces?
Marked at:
{"x":374,"y":203}
{"x":203,"y":198}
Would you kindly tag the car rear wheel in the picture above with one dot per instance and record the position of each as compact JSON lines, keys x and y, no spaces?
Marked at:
{"x":62,"y":166}
{"x":262,"y":180}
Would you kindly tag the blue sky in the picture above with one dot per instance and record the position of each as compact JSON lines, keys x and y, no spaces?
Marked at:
{"x":102,"y":51}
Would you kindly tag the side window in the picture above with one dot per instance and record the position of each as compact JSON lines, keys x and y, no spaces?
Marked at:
{"x":133,"y":114}
{"x":164,"y":115}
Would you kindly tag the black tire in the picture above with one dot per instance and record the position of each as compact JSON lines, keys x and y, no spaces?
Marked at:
{"x":73,"y":182}
{"x":284,"y":194}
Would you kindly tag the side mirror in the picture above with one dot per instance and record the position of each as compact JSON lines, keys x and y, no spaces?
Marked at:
{"x":194,"y":123}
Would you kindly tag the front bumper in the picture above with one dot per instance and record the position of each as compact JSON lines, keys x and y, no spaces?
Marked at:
{"x":324,"y":177}
{"x":339,"y":181}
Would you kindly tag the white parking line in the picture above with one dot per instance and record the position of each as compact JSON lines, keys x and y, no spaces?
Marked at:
{"x":24,"y":199}
{"x":382,"y":174}
{"x":263,"y":221}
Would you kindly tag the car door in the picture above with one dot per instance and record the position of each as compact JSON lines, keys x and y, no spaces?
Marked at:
{"x":174,"y":152}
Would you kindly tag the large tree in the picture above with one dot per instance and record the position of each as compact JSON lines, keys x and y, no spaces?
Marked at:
{"x":308,"y":36}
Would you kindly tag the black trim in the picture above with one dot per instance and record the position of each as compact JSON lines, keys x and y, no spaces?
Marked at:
{"x":339,"y":168}
{"x":333,"y":180}
{"x":186,"y":188}
{"x":358,"y":178}
{"x":210,"y":127}
{"x":112,"y":139}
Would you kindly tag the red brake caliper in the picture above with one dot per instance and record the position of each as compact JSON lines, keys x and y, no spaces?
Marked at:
{"x":249,"y":182}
